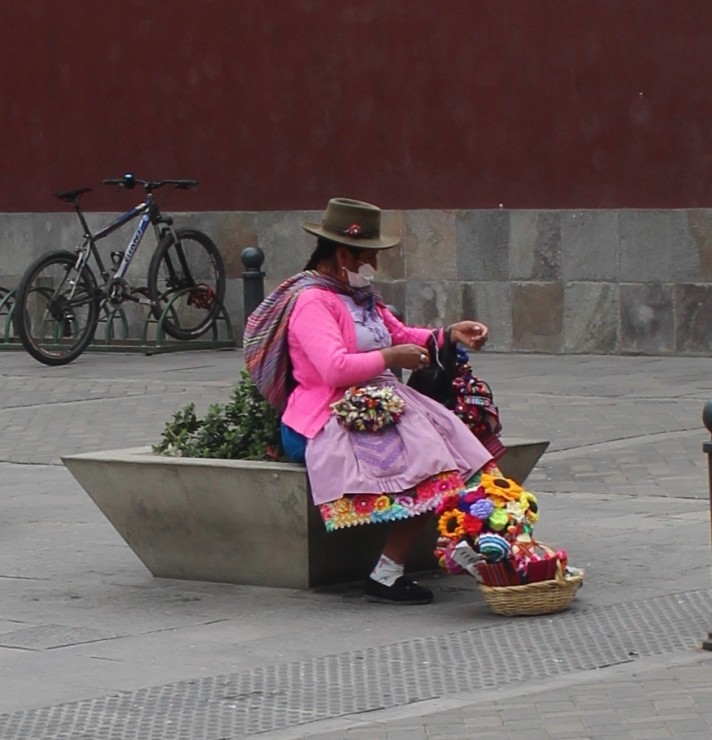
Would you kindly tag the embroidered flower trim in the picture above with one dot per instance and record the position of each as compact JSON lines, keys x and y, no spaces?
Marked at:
{"x":352,"y":510}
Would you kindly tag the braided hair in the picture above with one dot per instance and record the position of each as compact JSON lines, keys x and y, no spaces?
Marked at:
{"x":325,"y":251}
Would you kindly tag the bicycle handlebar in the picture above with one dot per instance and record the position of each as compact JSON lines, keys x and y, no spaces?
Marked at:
{"x":128,"y":181}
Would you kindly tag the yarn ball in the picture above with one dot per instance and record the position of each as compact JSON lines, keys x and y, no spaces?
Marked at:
{"x":493,"y":547}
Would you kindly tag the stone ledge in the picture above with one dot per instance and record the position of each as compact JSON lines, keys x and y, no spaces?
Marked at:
{"x":183,"y":519}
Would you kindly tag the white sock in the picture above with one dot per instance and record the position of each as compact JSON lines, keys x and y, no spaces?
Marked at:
{"x":386,"y":571}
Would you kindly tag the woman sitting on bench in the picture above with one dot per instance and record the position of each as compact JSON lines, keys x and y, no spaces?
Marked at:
{"x":322,"y":349}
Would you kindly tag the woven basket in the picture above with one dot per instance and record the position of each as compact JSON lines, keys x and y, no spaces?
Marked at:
{"x":542,"y":597}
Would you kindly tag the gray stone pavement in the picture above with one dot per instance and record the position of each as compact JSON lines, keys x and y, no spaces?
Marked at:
{"x":92,"y":647}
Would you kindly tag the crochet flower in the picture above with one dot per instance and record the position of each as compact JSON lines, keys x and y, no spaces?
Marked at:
{"x":498,"y":520}
{"x":364,"y":504}
{"x":528,"y":500}
{"x":496,"y":485}
{"x":474,"y":495}
{"x":341,"y":506}
{"x":499,"y":502}
{"x":472,"y":525}
{"x":426,"y":491}
{"x":409,"y":503}
{"x":382,"y":503}
{"x":450,"y":524}
{"x":482,"y":509}
{"x":447,"y":503}
{"x":515,"y":510}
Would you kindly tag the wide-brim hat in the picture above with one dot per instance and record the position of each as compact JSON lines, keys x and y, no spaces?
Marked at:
{"x":354,"y":223}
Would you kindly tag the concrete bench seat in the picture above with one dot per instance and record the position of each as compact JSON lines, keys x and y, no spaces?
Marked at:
{"x":240,"y":521}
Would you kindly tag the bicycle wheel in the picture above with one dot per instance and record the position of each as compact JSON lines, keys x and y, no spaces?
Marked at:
{"x":188,"y":277}
{"x":57,"y":308}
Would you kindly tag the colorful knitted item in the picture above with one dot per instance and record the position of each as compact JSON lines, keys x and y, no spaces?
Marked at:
{"x":370,"y":508}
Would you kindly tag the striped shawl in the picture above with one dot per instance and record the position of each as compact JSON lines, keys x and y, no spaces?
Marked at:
{"x":265,"y":336}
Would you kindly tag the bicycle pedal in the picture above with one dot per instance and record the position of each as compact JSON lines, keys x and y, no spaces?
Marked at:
{"x":141,"y":298}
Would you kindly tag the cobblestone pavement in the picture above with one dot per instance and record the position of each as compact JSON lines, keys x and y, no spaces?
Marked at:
{"x":92,"y":647}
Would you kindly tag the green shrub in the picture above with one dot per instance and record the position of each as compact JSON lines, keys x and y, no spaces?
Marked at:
{"x":245,"y":428}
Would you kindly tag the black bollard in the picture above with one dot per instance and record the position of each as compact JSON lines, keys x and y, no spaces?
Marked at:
{"x":253,"y":283}
{"x":707,"y":448}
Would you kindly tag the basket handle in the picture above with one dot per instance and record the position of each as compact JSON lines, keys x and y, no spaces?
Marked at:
{"x":530,"y":547}
{"x":560,"y":575}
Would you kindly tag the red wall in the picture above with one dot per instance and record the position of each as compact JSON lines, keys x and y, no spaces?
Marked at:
{"x":281,"y":104}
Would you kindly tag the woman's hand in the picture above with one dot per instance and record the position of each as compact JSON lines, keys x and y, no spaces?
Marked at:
{"x":473,"y":334}
{"x":407,"y":356}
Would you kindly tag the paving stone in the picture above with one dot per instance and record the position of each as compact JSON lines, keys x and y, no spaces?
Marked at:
{"x":555,"y":707}
{"x":531,"y":734}
{"x":563,"y":727}
{"x":650,"y":733}
{"x":691,"y":724}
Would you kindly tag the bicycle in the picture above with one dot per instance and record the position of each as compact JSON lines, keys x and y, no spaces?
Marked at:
{"x":59,"y":300}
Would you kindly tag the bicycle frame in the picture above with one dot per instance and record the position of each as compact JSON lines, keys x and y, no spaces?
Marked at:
{"x":149,"y":214}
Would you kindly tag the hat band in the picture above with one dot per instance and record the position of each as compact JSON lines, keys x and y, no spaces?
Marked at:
{"x":356,"y":232}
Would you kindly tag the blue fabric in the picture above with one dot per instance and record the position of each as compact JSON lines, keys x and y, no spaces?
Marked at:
{"x":295,"y":444}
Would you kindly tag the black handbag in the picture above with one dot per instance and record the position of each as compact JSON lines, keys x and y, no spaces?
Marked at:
{"x":435,"y":380}
{"x":449,"y":380}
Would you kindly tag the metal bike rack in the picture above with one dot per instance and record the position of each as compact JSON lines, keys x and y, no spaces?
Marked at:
{"x":110,"y":316}
{"x":112,"y":332}
{"x":153,"y":340}
{"x":162,"y":344}
{"x":7,"y":309}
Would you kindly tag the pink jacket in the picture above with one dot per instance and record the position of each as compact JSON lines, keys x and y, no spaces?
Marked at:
{"x":322,"y":347}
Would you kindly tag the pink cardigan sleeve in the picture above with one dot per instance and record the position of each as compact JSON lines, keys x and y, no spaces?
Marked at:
{"x":315,"y":327}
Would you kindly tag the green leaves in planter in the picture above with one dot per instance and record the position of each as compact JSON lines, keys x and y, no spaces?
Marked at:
{"x":245,"y":428}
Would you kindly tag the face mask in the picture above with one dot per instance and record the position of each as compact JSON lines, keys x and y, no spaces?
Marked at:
{"x":362,"y":278}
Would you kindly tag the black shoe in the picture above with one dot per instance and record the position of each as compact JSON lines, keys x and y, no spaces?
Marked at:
{"x":403,"y":591}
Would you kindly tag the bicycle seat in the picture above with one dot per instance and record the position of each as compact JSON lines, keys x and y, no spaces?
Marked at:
{"x":71,"y":195}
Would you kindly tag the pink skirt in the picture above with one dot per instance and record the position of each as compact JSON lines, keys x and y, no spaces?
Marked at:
{"x":398,"y":472}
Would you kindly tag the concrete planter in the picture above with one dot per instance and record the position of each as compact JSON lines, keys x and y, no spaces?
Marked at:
{"x":239,"y":521}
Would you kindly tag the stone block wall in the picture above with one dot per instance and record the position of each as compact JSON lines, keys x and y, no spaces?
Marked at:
{"x":598,"y":282}
{"x":552,"y":281}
